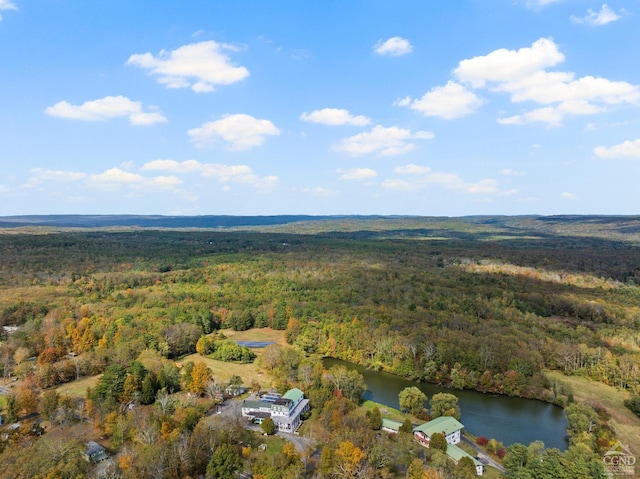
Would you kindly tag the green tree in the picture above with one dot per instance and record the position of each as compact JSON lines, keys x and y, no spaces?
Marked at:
{"x":111,"y":384}
{"x":11,"y":408}
{"x":268,"y":426}
{"x":148,"y":390}
{"x":438,"y":442}
{"x":406,"y":427}
{"x":412,"y":400}
{"x":375,"y":419}
{"x":516,"y":458}
{"x":445,"y":404}
{"x":225,"y":461}
{"x":465,"y":469}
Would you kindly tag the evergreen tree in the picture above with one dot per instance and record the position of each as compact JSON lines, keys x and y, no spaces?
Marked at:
{"x":375,"y":419}
{"x":406,"y":427}
{"x":149,"y":388}
{"x":224,"y":462}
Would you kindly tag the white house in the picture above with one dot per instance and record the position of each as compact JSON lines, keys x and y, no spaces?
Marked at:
{"x":285,"y":410}
{"x":450,"y":428}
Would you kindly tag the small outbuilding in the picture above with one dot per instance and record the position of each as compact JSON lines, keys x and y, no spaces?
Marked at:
{"x":95,"y":452}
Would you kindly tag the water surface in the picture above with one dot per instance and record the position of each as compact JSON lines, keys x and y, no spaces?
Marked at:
{"x":508,"y":419}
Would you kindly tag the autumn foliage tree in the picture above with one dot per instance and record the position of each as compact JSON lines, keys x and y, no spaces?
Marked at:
{"x":200,"y":376}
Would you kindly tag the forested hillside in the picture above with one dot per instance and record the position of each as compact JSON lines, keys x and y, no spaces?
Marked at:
{"x":478,"y":303}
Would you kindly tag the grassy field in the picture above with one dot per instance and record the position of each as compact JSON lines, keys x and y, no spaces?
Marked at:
{"x":257,"y":334}
{"x":388,"y":412}
{"x":625,"y":424}
{"x":222,"y":371}
{"x":78,"y":388}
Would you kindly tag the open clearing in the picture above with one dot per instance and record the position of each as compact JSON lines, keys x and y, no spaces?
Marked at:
{"x":625,"y":424}
{"x":257,"y":334}
{"x":78,"y":388}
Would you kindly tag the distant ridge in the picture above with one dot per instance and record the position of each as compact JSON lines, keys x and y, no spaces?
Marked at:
{"x":154,"y":221}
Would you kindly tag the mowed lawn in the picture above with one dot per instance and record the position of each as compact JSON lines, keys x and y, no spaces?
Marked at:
{"x":78,"y":388}
{"x":258,"y":334}
{"x":625,"y":424}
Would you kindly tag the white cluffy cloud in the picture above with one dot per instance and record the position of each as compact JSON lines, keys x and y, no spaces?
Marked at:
{"x":449,"y":102}
{"x":104,"y":109}
{"x":596,"y":19}
{"x":569,"y":196}
{"x":357,"y":174}
{"x":200,"y":66}
{"x":114,"y":178}
{"x":334,"y":116}
{"x":240,"y":131}
{"x":6,"y":5}
{"x":223,"y":173}
{"x":382,"y":141}
{"x":394,"y":46}
{"x":628,"y":149}
{"x":504,"y":65}
{"x":524,"y":75}
{"x":423,"y":176}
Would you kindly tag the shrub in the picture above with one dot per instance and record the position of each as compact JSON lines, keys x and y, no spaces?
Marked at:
{"x":482,"y":441}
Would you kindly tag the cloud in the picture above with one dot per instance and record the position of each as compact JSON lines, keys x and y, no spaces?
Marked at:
{"x":423,"y":176}
{"x":200,"y":66}
{"x":394,"y":46}
{"x":555,"y":87}
{"x":628,"y":149}
{"x":552,"y":115}
{"x":6,"y":5}
{"x":40,"y":175}
{"x":116,"y":177}
{"x":357,"y":174}
{"x":382,"y":141}
{"x":57,"y":175}
{"x":509,"y":65}
{"x":224,"y":173}
{"x":569,"y":196}
{"x":334,"y":116}
{"x":104,"y":109}
{"x":449,"y":102}
{"x":522,"y":74}
{"x":240,"y":131}
{"x":596,"y":19}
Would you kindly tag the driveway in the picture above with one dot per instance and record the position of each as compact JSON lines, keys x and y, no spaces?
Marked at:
{"x":483,"y":457}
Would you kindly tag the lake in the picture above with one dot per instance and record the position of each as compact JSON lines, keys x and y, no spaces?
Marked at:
{"x":507,"y":419}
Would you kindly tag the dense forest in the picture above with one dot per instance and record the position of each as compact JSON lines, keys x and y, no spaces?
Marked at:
{"x":481,"y":303}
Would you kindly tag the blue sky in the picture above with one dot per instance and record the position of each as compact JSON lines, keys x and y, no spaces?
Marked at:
{"x":319,"y":107}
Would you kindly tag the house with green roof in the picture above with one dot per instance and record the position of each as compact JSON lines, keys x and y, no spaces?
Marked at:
{"x":455,"y":454}
{"x":448,"y":426}
{"x":285,"y":410}
{"x":390,"y":425}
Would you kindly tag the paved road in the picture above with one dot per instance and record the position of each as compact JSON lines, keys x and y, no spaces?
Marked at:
{"x":482,"y":457}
